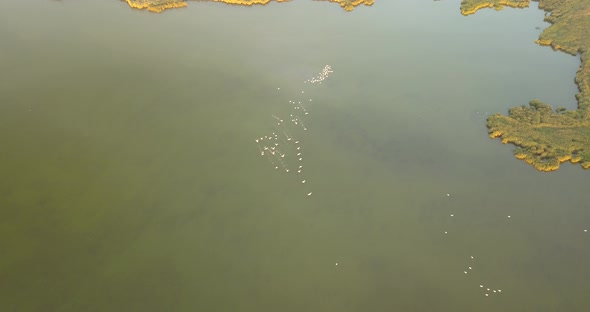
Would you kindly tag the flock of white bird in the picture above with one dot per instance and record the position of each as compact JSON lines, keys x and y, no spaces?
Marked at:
{"x":281,"y":148}
{"x":284,"y":151}
{"x":469,"y":268}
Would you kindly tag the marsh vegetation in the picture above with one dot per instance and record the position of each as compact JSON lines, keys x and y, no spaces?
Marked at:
{"x":545,"y":138}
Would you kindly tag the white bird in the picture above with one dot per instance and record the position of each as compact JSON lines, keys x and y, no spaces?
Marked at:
{"x":480,"y":286}
{"x":303,"y":180}
{"x":499,"y":290}
{"x":309,"y":194}
{"x":487,"y":295}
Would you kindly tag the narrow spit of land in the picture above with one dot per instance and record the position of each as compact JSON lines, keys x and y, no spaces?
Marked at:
{"x":545,"y":137}
{"x":158,"y":6}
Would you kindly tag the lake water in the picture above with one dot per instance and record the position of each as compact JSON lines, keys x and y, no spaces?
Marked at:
{"x":130,"y":178}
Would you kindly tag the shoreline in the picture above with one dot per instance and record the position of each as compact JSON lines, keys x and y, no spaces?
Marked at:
{"x":544,"y":137}
{"x":496,"y":5}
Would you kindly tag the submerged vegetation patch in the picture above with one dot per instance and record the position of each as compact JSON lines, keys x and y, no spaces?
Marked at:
{"x":158,"y":6}
{"x":545,"y":138}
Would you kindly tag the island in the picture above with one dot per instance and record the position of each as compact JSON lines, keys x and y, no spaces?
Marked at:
{"x":544,"y":137}
{"x":158,"y":6}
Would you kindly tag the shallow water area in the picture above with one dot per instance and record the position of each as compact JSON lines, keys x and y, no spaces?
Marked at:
{"x":131,"y":179}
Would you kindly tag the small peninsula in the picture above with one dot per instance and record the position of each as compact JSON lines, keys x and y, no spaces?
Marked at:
{"x":158,"y":6}
{"x":469,"y":7}
{"x":545,"y":137}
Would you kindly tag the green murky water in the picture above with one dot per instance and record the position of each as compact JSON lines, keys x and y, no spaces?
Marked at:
{"x":130,"y":179}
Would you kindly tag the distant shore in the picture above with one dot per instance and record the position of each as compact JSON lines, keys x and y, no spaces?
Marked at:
{"x":158,"y":6}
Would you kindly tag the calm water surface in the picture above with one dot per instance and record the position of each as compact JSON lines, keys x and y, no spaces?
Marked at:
{"x":130,"y":179}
